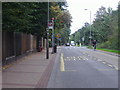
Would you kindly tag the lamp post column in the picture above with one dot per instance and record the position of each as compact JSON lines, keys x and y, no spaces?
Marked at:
{"x":53,"y":40}
{"x":90,"y":28}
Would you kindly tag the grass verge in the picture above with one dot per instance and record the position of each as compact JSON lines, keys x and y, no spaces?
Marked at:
{"x":109,"y":50}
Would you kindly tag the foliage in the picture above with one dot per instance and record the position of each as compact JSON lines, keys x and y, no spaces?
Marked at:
{"x":31,"y":17}
{"x":65,"y":33}
{"x":24,"y":17}
{"x":62,"y":20}
{"x":104,"y":29}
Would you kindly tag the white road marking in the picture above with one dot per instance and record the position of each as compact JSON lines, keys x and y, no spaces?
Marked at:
{"x":104,"y":62}
{"x":67,"y":57}
{"x":73,"y":57}
{"x":110,"y":65}
{"x":99,"y":60}
{"x":116,"y":67}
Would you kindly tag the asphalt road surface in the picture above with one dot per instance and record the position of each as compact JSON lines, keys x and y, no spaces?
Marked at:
{"x":79,"y":67}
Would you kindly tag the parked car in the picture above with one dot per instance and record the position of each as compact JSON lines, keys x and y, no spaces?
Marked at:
{"x":67,"y":44}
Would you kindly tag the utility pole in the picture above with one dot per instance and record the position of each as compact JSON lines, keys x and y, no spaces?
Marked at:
{"x":47,"y":42}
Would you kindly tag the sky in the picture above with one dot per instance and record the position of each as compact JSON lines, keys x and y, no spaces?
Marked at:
{"x":80,"y":15}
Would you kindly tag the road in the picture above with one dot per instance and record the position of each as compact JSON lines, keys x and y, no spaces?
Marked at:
{"x":79,"y":67}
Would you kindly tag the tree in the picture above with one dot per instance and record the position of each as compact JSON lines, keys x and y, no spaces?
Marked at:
{"x":31,"y":17}
{"x":104,"y":29}
{"x":24,"y":17}
{"x":62,"y":20}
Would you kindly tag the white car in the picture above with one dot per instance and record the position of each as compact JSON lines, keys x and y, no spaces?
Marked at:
{"x":72,"y":44}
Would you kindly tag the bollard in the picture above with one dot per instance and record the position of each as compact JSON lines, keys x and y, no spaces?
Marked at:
{"x":55,"y":49}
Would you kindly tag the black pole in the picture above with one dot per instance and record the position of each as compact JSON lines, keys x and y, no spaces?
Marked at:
{"x":47,"y":45}
{"x":47,"y":42}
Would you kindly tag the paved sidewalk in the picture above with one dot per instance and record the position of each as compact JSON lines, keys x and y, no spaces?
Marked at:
{"x":32,"y":71}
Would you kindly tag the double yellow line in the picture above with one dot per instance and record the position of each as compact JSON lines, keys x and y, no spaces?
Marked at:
{"x":62,"y":64}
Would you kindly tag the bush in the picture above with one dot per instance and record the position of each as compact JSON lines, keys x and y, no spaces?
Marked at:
{"x":109,"y":45}
{"x":90,"y":47}
{"x":104,"y":45}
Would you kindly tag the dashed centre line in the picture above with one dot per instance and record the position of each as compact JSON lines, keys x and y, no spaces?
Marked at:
{"x":104,"y":62}
{"x":110,"y":65}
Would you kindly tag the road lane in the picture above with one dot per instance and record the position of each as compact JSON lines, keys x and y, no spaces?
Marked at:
{"x":100,"y":55}
{"x":82,"y":71}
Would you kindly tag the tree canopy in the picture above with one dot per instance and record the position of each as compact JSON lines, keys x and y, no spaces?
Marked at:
{"x":31,"y":17}
{"x":104,"y":29}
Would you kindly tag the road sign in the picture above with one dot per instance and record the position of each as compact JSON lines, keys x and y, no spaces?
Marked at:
{"x":58,"y":36}
{"x":50,"y":25}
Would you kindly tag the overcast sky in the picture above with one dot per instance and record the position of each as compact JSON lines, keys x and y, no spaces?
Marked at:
{"x":80,"y":16}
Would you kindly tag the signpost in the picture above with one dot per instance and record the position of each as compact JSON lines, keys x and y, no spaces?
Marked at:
{"x":50,"y":25}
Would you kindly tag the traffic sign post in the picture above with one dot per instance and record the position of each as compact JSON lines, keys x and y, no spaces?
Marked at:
{"x":50,"y":24}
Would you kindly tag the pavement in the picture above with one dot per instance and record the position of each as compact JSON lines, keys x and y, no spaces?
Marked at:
{"x":32,"y":71}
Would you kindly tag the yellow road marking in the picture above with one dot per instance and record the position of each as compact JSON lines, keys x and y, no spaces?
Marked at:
{"x":62,"y":67}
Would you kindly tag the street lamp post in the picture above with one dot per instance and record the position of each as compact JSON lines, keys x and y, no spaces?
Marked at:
{"x":90,"y":26}
{"x":53,"y":40}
